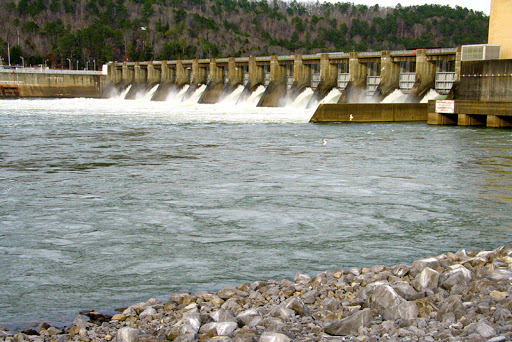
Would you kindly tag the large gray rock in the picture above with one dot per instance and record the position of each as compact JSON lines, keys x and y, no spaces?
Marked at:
{"x":427,"y":279}
{"x":405,"y":310}
{"x":351,"y":324}
{"x":420,"y":264}
{"x":127,"y":334}
{"x":222,"y":316}
{"x":296,"y":304}
{"x":251,"y":317}
{"x":274,"y":337}
{"x":452,"y":304}
{"x":222,"y":328}
{"x":383,"y":296}
{"x":405,"y":290}
{"x":456,"y":276}
{"x":282,"y":312}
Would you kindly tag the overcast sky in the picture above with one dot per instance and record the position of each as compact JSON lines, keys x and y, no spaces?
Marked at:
{"x":477,"y":5}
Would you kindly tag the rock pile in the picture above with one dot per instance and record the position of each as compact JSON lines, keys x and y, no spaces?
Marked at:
{"x":464,"y":296}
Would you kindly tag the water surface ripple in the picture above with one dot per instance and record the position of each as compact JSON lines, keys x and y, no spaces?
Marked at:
{"x":104,"y":203}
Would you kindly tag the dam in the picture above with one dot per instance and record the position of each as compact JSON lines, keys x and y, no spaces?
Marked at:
{"x":364,"y":77}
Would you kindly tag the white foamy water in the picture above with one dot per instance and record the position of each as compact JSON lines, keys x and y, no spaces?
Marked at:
{"x":302,"y":100}
{"x":194,"y":98}
{"x":432,"y":95}
{"x":255,"y":96}
{"x":174,"y":96}
{"x":395,"y":97}
{"x":333,"y":96}
{"x":234,"y":96}
{"x":125,"y":92}
{"x":150,"y":93}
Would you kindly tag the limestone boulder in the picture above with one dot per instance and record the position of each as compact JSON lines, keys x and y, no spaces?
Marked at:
{"x":402,"y":311}
{"x":427,"y":279}
{"x":273,"y":337}
{"x":351,"y":324}
{"x":127,"y":334}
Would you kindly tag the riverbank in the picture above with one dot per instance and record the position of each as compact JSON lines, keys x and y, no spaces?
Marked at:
{"x":462,"y":296}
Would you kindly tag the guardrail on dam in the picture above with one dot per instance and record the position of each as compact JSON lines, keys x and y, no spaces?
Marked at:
{"x":361,"y":77}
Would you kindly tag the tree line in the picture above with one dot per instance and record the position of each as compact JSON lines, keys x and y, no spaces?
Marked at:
{"x":87,"y":33}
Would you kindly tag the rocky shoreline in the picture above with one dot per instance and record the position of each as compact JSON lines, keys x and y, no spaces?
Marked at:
{"x":462,"y":296}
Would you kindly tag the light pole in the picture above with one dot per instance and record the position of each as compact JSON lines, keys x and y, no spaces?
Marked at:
{"x":77,"y":64}
{"x":94,"y":62}
{"x":22,"y":61}
{"x":87,"y":65}
{"x":69,"y":60}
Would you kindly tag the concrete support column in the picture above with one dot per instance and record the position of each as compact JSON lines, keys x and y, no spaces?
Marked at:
{"x":215,"y":87}
{"x":182,"y":74}
{"x":276,"y":90}
{"x":168,"y":73}
{"x":141,"y":74}
{"x":277,"y":72}
{"x":154,"y":74}
{"x":389,"y":74}
{"x":256,"y":73}
{"x":458,"y":63}
{"x":471,"y":120}
{"x":358,"y":72}
{"x":442,"y":119}
{"x":301,"y":72}
{"x":198,"y":74}
{"x":328,"y":80}
{"x":494,"y":121}
{"x":425,"y":76}
{"x":216,"y":74}
{"x":235,"y":74}
{"x":128,"y":74}
{"x":328,"y":71}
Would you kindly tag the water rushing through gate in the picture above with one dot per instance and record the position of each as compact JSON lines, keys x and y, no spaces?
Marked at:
{"x":108,"y":202}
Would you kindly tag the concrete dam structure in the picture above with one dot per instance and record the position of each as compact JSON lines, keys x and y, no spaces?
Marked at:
{"x":39,"y":82}
{"x":365,"y":77}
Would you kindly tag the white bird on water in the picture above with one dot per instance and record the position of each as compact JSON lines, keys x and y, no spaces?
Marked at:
{"x":324,"y":142}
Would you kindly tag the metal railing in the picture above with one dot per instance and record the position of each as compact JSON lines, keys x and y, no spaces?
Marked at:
{"x":48,"y":71}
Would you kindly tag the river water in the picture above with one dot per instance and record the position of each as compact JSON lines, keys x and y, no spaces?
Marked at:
{"x":108,"y":202}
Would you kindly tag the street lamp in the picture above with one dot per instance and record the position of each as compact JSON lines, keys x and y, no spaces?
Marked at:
{"x":22,"y":61}
{"x":77,"y":64}
{"x":87,"y":65}
{"x":94,"y":65}
{"x":69,"y":60}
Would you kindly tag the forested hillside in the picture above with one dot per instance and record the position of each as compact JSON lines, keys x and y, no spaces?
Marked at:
{"x":64,"y":32}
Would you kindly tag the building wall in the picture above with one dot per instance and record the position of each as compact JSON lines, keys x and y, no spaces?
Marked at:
{"x":500,"y":26}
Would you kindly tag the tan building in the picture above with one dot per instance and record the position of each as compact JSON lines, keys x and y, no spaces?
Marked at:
{"x":500,"y":26}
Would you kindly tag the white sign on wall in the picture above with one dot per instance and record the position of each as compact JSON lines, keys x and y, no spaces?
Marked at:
{"x":445,"y":106}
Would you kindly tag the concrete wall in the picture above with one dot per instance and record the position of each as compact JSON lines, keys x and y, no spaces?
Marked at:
{"x":381,"y":112}
{"x":485,"y":81}
{"x":500,"y":26}
{"x":66,"y":84}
